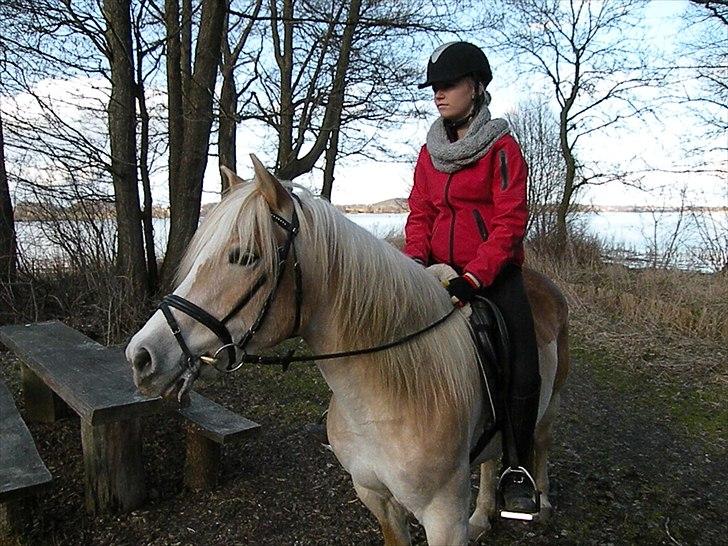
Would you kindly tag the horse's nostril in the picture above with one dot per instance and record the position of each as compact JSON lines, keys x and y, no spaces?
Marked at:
{"x":142,"y":361}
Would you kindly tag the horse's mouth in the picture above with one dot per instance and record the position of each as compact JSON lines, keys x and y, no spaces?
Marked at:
{"x":171,"y":389}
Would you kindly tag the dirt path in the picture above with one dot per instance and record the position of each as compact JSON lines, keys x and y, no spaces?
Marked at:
{"x":622,"y":473}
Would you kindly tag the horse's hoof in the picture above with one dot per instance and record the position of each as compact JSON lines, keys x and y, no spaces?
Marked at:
{"x":477,"y":532}
{"x":546,"y":511}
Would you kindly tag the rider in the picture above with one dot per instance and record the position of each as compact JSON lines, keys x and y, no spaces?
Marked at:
{"x":468,"y":210}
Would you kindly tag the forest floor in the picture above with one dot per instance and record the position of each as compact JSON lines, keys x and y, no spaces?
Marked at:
{"x":639,"y":457}
{"x":639,"y":454}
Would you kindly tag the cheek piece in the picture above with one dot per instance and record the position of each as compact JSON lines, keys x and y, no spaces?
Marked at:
{"x":226,"y":354}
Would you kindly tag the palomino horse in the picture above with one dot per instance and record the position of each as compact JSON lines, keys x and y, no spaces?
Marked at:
{"x":401,"y":420}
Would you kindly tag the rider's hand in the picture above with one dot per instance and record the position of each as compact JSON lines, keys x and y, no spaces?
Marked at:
{"x":462,"y":289}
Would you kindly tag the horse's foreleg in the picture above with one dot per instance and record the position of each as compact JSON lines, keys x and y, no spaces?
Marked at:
{"x":391,"y":515}
{"x":542,"y":444}
{"x":485,"y":503}
{"x":445,"y":518}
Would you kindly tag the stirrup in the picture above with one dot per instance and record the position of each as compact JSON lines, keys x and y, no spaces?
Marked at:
{"x":521,"y":474}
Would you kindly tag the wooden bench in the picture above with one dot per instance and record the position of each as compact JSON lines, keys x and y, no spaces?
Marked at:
{"x":209,"y":427}
{"x":22,"y":472}
{"x":96,"y":382}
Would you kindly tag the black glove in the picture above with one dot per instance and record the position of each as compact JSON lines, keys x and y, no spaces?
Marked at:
{"x":462,"y":289}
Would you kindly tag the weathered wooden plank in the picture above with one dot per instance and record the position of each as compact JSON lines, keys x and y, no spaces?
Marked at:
{"x":42,"y":405}
{"x":202,"y":461}
{"x":215,"y":422}
{"x":112,"y":456}
{"x":94,"y":380}
{"x":22,"y":471}
{"x":16,"y":517}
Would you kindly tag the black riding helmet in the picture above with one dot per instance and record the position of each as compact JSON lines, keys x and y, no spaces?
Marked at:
{"x":454,"y":60}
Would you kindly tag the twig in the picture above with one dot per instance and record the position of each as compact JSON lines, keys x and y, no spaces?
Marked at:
{"x":667,"y":530}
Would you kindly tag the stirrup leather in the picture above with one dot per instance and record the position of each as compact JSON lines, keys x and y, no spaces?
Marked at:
{"x":523,"y":474}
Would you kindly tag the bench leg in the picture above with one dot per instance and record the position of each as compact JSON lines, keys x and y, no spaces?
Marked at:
{"x":202,"y":462}
{"x":112,"y":456}
{"x":42,"y":405}
{"x":17,"y":515}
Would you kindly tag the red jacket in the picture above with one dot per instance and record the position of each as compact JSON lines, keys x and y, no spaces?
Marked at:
{"x":473,"y":219}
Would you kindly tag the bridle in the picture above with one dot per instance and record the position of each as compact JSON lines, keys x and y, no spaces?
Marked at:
{"x":191,"y":367}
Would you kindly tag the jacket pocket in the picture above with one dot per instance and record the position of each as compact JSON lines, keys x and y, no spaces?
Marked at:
{"x":481,"y":224}
{"x":503,"y":170}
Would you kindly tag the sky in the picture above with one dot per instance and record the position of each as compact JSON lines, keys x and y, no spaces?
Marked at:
{"x":654,"y":142}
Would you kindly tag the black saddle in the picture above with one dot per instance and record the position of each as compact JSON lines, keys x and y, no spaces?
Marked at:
{"x":492,"y":341}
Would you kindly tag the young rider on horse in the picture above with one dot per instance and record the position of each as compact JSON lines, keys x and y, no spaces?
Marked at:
{"x":468,"y":210}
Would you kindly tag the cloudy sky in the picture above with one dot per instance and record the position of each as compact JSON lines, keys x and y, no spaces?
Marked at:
{"x":655,"y":143}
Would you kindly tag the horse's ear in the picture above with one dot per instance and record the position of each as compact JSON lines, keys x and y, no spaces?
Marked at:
{"x":273,"y":191}
{"x":229,"y":176}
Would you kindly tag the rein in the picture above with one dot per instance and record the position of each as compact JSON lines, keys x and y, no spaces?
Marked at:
{"x":286,"y":360}
{"x":193,"y":362}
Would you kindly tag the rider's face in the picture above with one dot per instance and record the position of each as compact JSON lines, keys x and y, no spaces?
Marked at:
{"x":454,"y":99}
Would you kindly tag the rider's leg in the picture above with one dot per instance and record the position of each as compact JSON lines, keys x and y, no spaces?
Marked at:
{"x":508,"y":292}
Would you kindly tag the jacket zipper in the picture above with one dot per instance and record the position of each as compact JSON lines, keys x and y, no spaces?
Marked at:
{"x":481,"y":224}
{"x":452,"y":218}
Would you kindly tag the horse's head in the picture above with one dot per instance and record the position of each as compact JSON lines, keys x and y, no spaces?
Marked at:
{"x":237,"y":289}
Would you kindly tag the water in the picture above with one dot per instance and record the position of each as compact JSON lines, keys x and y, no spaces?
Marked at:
{"x":640,"y":236}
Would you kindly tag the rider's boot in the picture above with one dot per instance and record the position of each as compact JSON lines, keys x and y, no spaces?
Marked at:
{"x":519,"y":495}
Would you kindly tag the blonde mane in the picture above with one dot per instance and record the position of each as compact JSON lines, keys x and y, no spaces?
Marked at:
{"x":379,"y":295}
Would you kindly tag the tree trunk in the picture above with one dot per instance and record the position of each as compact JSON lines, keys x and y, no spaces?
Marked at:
{"x":186,"y":47}
{"x":175,"y":122}
{"x":331,"y":153}
{"x":562,"y":210}
{"x":8,"y":244}
{"x":290,"y":167}
{"x":226,"y":142}
{"x":122,"y":135}
{"x":185,"y":191}
{"x":284,"y":59}
{"x":147,"y":217}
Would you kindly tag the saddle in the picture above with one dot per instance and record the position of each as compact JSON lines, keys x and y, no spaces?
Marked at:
{"x":492,"y":341}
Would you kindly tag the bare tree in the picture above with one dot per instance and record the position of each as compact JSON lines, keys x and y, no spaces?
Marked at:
{"x":190,"y":88}
{"x":707,"y":54}
{"x":8,"y":243}
{"x":344,"y":71}
{"x":76,"y":40}
{"x":590,"y":55}
{"x":238,"y":29}
{"x":537,"y":131}
{"x":122,"y":135}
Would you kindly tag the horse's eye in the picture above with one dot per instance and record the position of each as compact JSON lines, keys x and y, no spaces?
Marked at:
{"x":246,"y":258}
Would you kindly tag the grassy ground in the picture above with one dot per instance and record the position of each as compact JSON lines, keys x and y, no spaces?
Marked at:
{"x":639,"y":454}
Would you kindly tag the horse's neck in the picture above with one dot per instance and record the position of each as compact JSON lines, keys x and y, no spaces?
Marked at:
{"x":346,"y":376}
{"x":347,"y":296}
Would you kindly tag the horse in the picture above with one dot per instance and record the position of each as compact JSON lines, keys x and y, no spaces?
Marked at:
{"x":406,"y":405}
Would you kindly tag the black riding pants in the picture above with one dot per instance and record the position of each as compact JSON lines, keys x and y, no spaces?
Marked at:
{"x":509,"y":294}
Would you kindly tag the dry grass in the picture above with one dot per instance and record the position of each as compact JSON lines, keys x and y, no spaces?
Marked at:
{"x":668,"y":321}
{"x":91,"y":298}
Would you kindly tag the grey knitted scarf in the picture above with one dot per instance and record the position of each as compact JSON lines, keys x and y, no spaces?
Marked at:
{"x":449,"y":156}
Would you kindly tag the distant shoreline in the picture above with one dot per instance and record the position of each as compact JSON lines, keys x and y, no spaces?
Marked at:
{"x":394,"y":206}
{"x":28,"y":212}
